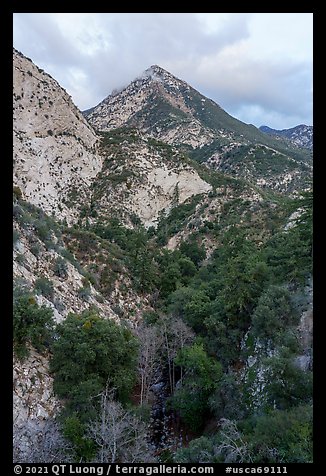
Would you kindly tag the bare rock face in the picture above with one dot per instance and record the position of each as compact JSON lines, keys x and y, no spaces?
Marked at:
{"x":144,"y":180}
{"x":33,"y":401}
{"x":166,"y":184}
{"x":55,"y":156}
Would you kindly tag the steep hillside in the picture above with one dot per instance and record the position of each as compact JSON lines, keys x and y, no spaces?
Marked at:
{"x":162,"y":283}
{"x":55,"y":156}
{"x":264,"y":166}
{"x":155,"y":103}
{"x":167,"y":108}
{"x":63,"y":270}
{"x":58,"y":158}
{"x":171,"y":110}
{"x":141,"y":178}
{"x":300,"y":136}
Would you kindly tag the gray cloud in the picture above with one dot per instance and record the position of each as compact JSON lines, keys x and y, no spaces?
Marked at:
{"x":92,"y":54}
{"x":281,"y":88}
{"x":40,"y":34}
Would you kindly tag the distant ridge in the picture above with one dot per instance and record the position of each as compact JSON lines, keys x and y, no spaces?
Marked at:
{"x":300,"y":136}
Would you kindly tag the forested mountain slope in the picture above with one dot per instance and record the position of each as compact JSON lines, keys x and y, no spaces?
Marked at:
{"x":159,"y":299}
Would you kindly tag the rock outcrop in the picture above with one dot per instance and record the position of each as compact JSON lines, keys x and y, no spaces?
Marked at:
{"x":34,"y":402}
{"x":55,"y":149}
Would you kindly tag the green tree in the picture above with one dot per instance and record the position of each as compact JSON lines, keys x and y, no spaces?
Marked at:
{"x":187,"y":270}
{"x":201,"y":377}
{"x":286,"y":384}
{"x":192,"y":305}
{"x":236,"y":278}
{"x":221,"y":338}
{"x":32,"y":324}
{"x":282,"y":436}
{"x":273,"y":314}
{"x":200,"y":450}
{"x":140,"y":260}
{"x":45,"y":287}
{"x":289,"y":252}
{"x":88,"y":352}
{"x":60,"y":268}
{"x":169,"y":279}
{"x":244,"y":278}
{"x":112,"y":231}
{"x":178,"y":300}
{"x":197,"y":309}
{"x":193,"y":251}
{"x":84,"y":447}
{"x":277,"y":437}
{"x":227,"y":400}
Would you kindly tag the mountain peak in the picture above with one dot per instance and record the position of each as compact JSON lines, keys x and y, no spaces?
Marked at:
{"x":156,"y":68}
{"x":156,"y":73}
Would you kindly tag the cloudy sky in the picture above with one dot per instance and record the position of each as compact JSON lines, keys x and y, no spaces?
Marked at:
{"x":257,"y":66}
